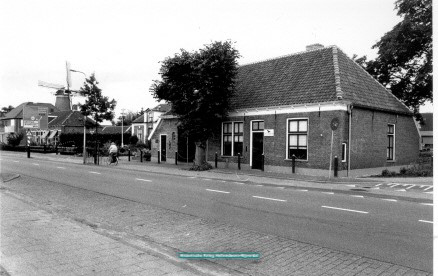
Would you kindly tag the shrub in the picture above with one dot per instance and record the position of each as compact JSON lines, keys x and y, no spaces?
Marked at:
{"x":14,"y":139}
{"x":133,"y":140}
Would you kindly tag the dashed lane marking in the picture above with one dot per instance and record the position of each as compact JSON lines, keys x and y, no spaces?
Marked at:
{"x":426,"y":221}
{"x":145,"y":180}
{"x":328,"y":193}
{"x":270,"y":198}
{"x":430,"y":187}
{"x":16,"y":161}
{"x":389,"y":199}
{"x":427,"y":204}
{"x":280,"y":187}
{"x":206,"y":179}
{"x":428,"y":192}
{"x":95,"y":172}
{"x":60,"y":167}
{"x":259,"y":185}
{"x":342,"y":209}
{"x":217,"y":191}
{"x":411,"y":186}
{"x":36,"y":164}
{"x":302,"y":190}
{"x":360,"y":196}
{"x":240,"y":183}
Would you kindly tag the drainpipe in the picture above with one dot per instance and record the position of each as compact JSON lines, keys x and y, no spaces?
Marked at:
{"x":350,"y":110}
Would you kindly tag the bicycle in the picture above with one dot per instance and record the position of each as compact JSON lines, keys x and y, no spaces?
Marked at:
{"x":109,"y":160}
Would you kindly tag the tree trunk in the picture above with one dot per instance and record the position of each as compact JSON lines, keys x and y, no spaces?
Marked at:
{"x":200,"y":155}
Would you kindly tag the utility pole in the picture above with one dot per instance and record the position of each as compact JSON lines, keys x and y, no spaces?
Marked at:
{"x":123,"y":113}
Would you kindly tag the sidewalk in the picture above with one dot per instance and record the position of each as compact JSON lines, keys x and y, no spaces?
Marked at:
{"x":362,"y":186}
{"x":36,"y":242}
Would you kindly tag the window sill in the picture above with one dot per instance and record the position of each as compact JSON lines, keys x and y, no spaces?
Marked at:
{"x":298,"y":160}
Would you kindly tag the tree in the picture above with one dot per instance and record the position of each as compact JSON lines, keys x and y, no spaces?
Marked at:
{"x":404,"y":61}
{"x":14,"y":138}
{"x":199,"y":86}
{"x":7,"y":109}
{"x":96,"y":106}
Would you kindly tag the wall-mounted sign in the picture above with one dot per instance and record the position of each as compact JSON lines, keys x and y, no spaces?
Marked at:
{"x":268,"y":132}
{"x":36,"y":117}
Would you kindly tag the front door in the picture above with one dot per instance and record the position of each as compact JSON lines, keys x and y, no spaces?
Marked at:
{"x":163,"y":148}
{"x":257,"y":150}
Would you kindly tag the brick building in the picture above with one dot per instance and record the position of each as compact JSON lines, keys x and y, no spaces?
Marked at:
{"x":285,"y":106}
{"x":144,"y":124}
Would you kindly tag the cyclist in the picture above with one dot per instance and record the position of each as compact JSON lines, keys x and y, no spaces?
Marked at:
{"x":113,"y":152}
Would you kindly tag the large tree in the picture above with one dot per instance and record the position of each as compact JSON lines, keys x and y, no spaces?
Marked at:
{"x":404,"y":61}
{"x":97,"y":106}
{"x":199,"y":86}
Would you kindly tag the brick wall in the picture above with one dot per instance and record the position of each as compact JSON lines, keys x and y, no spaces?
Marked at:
{"x":167,"y":127}
{"x":369,"y":139}
{"x":368,"y":149}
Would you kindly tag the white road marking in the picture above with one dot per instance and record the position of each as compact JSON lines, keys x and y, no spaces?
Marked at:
{"x":240,"y":183}
{"x":342,"y":209}
{"x":376,"y":188}
{"x":430,"y":187}
{"x":217,"y":191}
{"x":427,"y":204}
{"x":303,"y":190}
{"x":269,"y":198}
{"x":392,"y":185}
{"x":16,"y":161}
{"x":95,"y":172}
{"x":328,"y":193}
{"x":223,"y":181}
{"x":389,"y":199}
{"x":145,"y":180}
{"x":36,"y":164}
{"x":206,"y":179}
{"x":401,"y":190}
{"x":351,"y":185}
{"x":192,"y":176}
{"x":280,"y":187}
{"x":428,"y":192}
{"x":259,"y":185}
{"x":378,"y":185}
{"x":427,"y":221}
{"x":361,"y":196}
{"x":412,"y":186}
{"x":60,"y":167}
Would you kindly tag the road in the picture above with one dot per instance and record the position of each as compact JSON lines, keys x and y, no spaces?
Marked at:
{"x":398,"y":232}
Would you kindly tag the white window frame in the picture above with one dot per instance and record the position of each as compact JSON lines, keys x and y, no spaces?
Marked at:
{"x":287,"y":137}
{"x":344,"y":152}
{"x":393,"y":143}
{"x":232,"y":137}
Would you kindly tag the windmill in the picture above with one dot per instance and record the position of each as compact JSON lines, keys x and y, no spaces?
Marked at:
{"x":63,"y":94}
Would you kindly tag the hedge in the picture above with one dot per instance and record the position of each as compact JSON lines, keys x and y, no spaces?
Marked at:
{"x":77,"y":139}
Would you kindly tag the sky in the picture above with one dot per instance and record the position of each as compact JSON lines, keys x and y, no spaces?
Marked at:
{"x":123,"y":42}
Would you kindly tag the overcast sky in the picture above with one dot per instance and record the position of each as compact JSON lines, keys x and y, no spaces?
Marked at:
{"x":122,"y":42}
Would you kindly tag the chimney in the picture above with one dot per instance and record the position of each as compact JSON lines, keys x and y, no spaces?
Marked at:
{"x":62,"y":102}
{"x":315,"y":46}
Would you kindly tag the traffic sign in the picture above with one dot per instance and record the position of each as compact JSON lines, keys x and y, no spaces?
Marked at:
{"x":36,"y":117}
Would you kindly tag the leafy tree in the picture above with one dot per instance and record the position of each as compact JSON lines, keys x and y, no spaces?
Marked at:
{"x":404,"y":62}
{"x":199,"y":86}
{"x":7,"y":109}
{"x":96,"y":106}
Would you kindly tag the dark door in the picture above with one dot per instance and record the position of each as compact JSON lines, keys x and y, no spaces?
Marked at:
{"x":163,"y":148}
{"x":257,"y":150}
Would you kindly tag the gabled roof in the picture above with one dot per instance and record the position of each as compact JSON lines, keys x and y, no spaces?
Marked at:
{"x":316,"y":76}
{"x":115,"y":129}
{"x":140,"y":119}
{"x":427,"y":124}
{"x":159,"y":108}
{"x":69,"y":118}
{"x":17,"y":113}
{"x":162,"y":108}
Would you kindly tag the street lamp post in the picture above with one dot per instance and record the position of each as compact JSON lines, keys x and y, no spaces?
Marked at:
{"x":84,"y":150}
{"x":123,"y":113}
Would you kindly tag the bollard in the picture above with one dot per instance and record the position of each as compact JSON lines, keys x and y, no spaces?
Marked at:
{"x":293,"y":163}
{"x":129,"y":155}
{"x":263,"y":162}
{"x":176,"y":158}
{"x":215,"y":160}
{"x":28,"y":151}
{"x":158,"y":157}
{"x":141,"y":156}
{"x":238,"y":161}
{"x":335,"y":167}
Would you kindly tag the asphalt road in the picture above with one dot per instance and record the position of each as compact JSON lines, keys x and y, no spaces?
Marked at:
{"x":398,"y":232}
